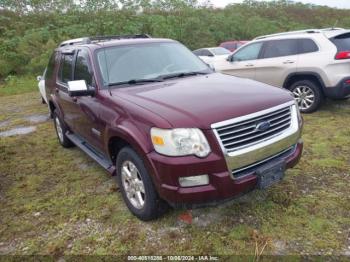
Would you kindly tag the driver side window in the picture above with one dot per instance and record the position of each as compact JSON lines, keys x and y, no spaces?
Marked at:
{"x":83,"y":69}
{"x":250,"y":52}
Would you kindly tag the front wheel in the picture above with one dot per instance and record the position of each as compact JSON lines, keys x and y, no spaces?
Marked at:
{"x":137,"y":187}
{"x":308,"y":95}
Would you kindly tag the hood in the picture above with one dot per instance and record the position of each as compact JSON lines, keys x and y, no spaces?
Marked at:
{"x":199,"y":101}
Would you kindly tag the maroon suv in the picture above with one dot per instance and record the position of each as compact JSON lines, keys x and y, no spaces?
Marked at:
{"x":170,"y":129}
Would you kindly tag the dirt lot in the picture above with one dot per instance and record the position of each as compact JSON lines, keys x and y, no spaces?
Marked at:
{"x":58,"y":201}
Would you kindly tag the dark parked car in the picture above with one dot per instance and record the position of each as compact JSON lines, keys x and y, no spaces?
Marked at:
{"x":170,"y":129}
{"x":233,"y":44}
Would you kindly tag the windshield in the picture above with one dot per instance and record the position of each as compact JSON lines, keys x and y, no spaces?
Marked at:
{"x":125,"y":64}
{"x":220,"y":51}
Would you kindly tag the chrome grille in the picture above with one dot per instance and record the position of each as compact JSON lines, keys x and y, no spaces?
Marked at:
{"x":245,"y":133}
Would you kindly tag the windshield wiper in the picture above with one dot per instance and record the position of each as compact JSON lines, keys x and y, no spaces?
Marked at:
{"x":136,"y":81}
{"x":160,"y":78}
{"x":182,"y":74}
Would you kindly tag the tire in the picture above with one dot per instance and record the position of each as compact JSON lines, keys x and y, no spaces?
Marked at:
{"x":136,"y":186}
{"x":308,"y":94}
{"x":61,"y":130}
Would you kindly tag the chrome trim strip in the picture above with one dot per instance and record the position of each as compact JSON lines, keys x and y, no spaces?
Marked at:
{"x":253,"y":115}
{"x":281,"y":121}
{"x":236,"y":131}
{"x":264,"y":160}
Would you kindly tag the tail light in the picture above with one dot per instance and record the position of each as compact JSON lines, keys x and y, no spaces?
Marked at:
{"x":343,"y":55}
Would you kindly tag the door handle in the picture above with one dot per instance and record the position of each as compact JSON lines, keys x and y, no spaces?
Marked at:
{"x":75,"y":99}
{"x":249,"y":65}
{"x":288,"y":62}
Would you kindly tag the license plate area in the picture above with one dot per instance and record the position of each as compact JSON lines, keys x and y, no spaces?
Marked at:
{"x":270,"y":174}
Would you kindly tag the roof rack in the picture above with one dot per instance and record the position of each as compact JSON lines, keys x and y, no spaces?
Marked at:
{"x":94,"y":39}
{"x":305,"y":31}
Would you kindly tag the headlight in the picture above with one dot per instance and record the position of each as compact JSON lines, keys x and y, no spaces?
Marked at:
{"x":180,"y":142}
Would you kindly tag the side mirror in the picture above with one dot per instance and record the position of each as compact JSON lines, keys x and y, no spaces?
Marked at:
{"x":229,"y":58}
{"x":38,"y":78}
{"x":210,"y":55}
{"x":79,"y":88}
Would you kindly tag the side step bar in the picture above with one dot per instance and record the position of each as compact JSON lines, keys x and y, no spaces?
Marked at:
{"x":91,"y":152}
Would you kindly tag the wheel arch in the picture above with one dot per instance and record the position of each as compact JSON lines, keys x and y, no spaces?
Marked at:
{"x":119,"y":137}
{"x":298,"y":76}
{"x":53,"y":105}
{"x":52,"y":108}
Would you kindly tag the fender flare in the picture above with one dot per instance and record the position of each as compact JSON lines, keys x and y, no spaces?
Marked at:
{"x":129,"y":133}
{"x":304,"y":73}
{"x":138,"y":140}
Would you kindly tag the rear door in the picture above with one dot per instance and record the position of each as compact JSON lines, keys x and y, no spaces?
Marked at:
{"x":66,"y":104}
{"x":279,"y":58}
{"x":242,"y":63}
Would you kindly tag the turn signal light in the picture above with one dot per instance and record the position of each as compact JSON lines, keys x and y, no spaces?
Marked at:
{"x":157,"y":140}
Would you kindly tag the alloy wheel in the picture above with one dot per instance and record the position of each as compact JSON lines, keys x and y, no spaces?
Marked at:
{"x":304,"y":96}
{"x":133,"y":184}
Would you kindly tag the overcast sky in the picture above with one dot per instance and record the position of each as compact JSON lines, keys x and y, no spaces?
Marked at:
{"x":331,"y":3}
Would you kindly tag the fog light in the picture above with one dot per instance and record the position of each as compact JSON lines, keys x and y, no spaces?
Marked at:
{"x":188,"y":181}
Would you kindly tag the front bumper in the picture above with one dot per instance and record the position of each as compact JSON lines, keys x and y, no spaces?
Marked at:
{"x":221,"y":185}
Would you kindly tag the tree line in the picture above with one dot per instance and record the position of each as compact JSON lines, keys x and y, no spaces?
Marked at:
{"x":31,"y":29}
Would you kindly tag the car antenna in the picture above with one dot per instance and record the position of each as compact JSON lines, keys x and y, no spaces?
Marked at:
{"x":104,"y":51}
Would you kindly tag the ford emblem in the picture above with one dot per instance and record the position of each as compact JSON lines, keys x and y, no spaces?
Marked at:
{"x":263,"y":126}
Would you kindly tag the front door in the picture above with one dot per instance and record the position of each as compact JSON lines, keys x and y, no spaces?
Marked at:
{"x":242,"y":63}
{"x":87,"y":123}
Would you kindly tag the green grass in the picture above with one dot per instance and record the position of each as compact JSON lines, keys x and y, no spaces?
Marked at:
{"x":13,"y":85}
{"x":58,"y":201}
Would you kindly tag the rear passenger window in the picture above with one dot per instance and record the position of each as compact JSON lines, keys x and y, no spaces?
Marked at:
{"x":307,"y":46}
{"x":51,"y":66}
{"x":342,"y":42}
{"x":65,"y":71}
{"x":278,"y":48}
{"x":82,"y":69}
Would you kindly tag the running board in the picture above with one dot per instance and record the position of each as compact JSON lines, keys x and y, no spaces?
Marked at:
{"x":91,"y":152}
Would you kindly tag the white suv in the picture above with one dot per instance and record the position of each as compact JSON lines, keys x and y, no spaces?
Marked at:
{"x":312,"y":64}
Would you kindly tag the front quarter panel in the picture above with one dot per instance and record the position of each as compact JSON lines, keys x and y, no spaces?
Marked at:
{"x":128,"y":121}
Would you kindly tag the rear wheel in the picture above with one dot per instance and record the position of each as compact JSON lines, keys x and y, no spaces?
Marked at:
{"x":137,"y":186}
{"x":308,"y":95}
{"x":61,"y":131}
